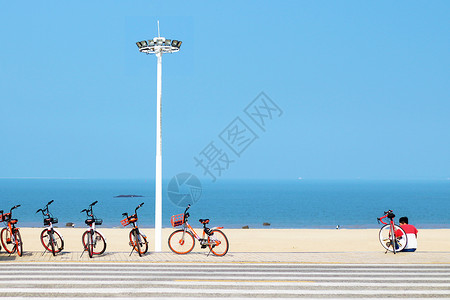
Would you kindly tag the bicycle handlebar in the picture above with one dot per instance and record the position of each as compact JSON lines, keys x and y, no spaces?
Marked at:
{"x":186,"y":214}
{"x":139,"y":206}
{"x":14,"y":207}
{"x":387,"y":214}
{"x":125,"y":214}
{"x":89,"y":211}
{"x":45,"y":209}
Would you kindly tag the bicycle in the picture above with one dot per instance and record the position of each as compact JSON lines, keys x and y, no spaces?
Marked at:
{"x":182,"y":241}
{"x":93,"y":241}
{"x":392,"y":237}
{"x":51,"y":239}
{"x":10,"y":235}
{"x":138,"y":240}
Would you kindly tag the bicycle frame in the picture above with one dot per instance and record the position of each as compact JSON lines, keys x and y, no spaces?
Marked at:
{"x":202,"y":240}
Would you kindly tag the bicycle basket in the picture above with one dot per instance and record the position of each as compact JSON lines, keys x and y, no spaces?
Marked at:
{"x":125,"y":222}
{"x":98,"y":221}
{"x":50,"y":220}
{"x":6,"y":217}
{"x":177,"y":220}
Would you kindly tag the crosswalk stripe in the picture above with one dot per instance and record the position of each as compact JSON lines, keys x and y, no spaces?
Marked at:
{"x":236,"y":277}
{"x":227,"y":282}
{"x":246,"y":272}
{"x":144,"y":290}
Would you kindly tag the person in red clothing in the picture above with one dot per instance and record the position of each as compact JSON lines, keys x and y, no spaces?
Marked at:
{"x":411,"y":233}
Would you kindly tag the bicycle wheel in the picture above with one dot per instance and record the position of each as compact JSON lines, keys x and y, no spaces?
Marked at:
{"x":181,"y":242}
{"x":58,"y":242}
{"x":392,"y":237}
{"x":46,"y":240}
{"x":88,"y":243}
{"x":139,"y":242}
{"x":7,"y":239}
{"x":218,"y":243}
{"x":394,"y":245}
{"x":99,"y":243}
{"x":52,"y":243}
{"x":19,"y":244}
{"x":144,"y":243}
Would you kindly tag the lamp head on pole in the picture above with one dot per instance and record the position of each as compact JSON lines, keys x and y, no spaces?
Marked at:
{"x":159,"y":44}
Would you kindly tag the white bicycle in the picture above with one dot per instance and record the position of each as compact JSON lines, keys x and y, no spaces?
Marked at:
{"x":51,"y":239}
{"x":93,"y":241}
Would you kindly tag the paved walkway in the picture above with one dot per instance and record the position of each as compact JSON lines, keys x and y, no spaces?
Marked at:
{"x":131,"y":280}
{"x":378,"y":257}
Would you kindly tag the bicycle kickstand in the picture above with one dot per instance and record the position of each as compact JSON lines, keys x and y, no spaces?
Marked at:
{"x":83,"y":252}
{"x":132,"y":249}
{"x":45,"y":250}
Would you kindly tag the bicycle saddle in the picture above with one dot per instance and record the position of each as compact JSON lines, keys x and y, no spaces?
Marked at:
{"x":204,"y":221}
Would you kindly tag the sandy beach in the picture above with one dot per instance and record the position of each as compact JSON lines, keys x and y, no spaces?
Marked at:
{"x":255,"y":240}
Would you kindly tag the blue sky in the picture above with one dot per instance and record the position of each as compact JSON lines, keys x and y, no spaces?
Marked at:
{"x":363,"y":88}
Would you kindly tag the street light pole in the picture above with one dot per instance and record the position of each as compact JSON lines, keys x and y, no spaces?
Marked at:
{"x":158,"y":175}
{"x":158,"y":46}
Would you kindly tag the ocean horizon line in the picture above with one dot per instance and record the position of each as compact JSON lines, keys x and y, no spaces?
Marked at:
{"x":235,"y":179}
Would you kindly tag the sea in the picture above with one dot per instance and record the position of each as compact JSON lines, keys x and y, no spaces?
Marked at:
{"x":295,"y":203}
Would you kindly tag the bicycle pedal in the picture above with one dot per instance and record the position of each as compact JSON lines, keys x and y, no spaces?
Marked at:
{"x":204,"y":246}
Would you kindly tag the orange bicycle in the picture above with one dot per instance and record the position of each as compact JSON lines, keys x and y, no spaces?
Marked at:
{"x":138,"y":240}
{"x":10,"y":235}
{"x":182,"y":241}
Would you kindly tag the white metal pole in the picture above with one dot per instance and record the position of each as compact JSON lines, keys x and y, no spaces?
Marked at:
{"x":158,"y":178}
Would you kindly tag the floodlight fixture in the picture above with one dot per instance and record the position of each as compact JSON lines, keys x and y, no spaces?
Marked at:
{"x":159,"y":45}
